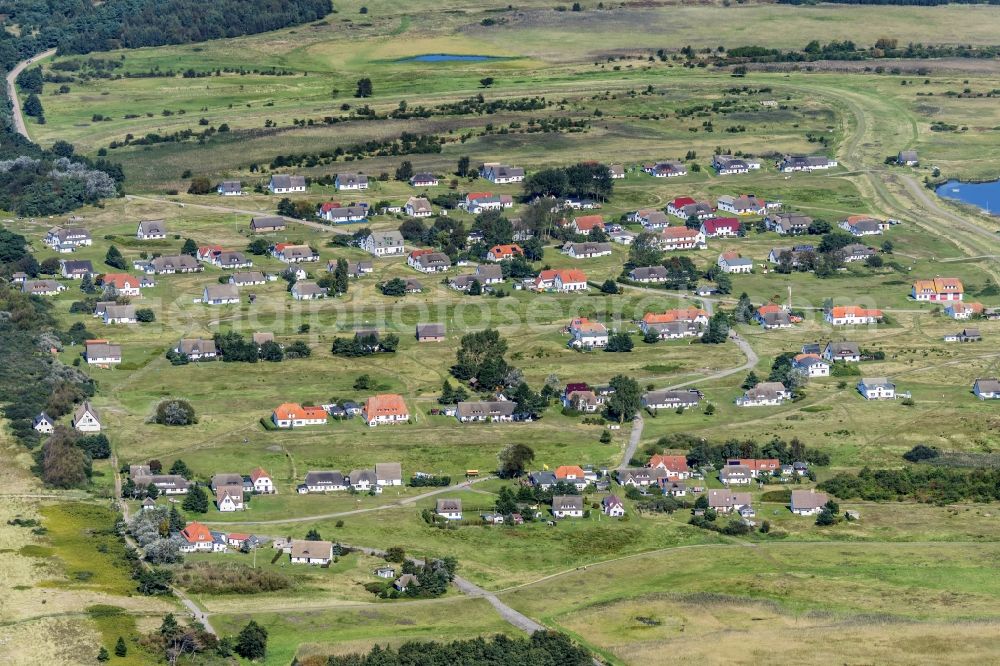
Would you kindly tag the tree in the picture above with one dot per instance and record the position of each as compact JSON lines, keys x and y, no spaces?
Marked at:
{"x":196,"y":500}
{"x":313,"y":535}
{"x":404,"y":171}
{"x":97,"y":446}
{"x":874,"y":261}
{"x":115,"y":259}
{"x":364,"y":88}
{"x":514,"y":460}
{"x":723,"y":283}
{"x":87,"y":284}
{"x":609,"y":287}
{"x":102,"y":654}
{"x":33,"y":107}
{"x":252,"y":641}
{"x":64,"y":465}
{"x":619,"y":342}
{"x":394,"y":287}
{"x":63,"y":148}
{"x":200,"y":185}
{"x":271,"y":351}
{"x":175,"y":520}
{"x":645,"y":251}
{"x":463,"y":166}
{"x":189,"y":248}
{"x":175,"y":413}
{"x":751,"y":381}
{"x":475,"y":288}
{"x":145,"y":315}
{"x":121,"y":650}
{"x":480,"y":357}
{"x":718,"y":329}
{"x":340,"y":277}
{"x":506,"y":503}
{"x":259,"y":247}
{"x":486,"y":82}
{"x":625,"y":399}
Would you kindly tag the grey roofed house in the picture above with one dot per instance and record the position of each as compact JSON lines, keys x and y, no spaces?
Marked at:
{"x":434,"y":261}
{"x":40,"y":286}
{"x":152,"y":228}
{"x":866,"y":227}
{"x":463,"y":282}
{"x":305,"y":288}
{"x":675,"y":329}
{"x":969,"y":334}
{"x":303,"y":549}
{"x":431,"y":331}
{"x":359,"y":476}
{"x":180,"y":262}
{"x":286,"y":182}
{"x":174,"y":483}
{"x":587,"y":248}
{"x":391,"y":238}
{"x":119,"y":312}
{"x":489,"y":272}
{"x":103,"y":350}
{"x":267,"y":223}
{"x":779,"y":319}
{"x":360,"y":333}
{"x":197,"y":346}
{"x":413,"y":286}
{"x":230,"y":187}
{"x":423,"y":178}
{"x":649,"y":273}
{"x":388,"y":472}
{"x":72,"y":267}
{"x":232,"y":259}
{"x":224,"y":479}
{"x":480,"y":411}
{"x":806,"y":500}
{"x":669,"y":398}
{"x":727,"y":499}
{"x":357,"y":268}
{"x":405,"y":581}
{"x":856,"y":252}
{"x":567,"y":503}
{"x":248,"y":278}
{"x":100,"y":307}
{"x":332,"y":479}
{"x":844,"y":349}
{"x":788,"y":223}
{"x":987,"y":387}
{"x":544,"y":479}
{"x":734,"y":472}
{"x":221,"y":292}
{"x":351,"y":180}
{"x":908,"y":157}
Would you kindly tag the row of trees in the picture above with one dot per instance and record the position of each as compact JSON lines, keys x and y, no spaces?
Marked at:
{"x":542,"y":648}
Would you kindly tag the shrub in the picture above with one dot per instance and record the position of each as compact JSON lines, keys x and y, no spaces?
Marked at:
{"x":175,"y":413}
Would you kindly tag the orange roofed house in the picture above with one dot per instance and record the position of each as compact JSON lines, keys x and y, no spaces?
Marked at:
{"x":385,"y":408}
{"x":937,"y":290}
{"x":689,"y":315}
{"x":585,"y":223}
{"x":294,"y":415}
{"x":262,"y":481}
{"x":503,"y":252}
{"x":851,"y":315}
{"x":198,"y":538}
{"x":674,"y":465}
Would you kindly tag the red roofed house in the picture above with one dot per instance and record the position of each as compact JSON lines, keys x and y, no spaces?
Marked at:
{"x":675,"y":465}
{"x":850,"y":315}
{"x":721,"y":227}
{"x":960,"y":310}
{"x":209,"y":253}
{"x":385,"y":408}
{"x":588,"y":334}
{"x":294,"y":415}
{"x":691,"y":315}
{"x":757,"y":465}
{"x":197,"y":537}
{"x":569,"y":473}
{"x":262,"y":482}
{"x":583,"y":224}
{"x":503,"y":252}
{"x":123,"y":283}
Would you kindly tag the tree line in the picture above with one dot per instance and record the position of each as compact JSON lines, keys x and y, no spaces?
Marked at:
{"x":543,"y":648}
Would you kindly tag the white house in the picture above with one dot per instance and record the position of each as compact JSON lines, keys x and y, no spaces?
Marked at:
{"x":500,"y":174}
{"x":151,"y":230}
{"x":262,"y":482}
{"x":384,"y":243}
{"x":567,"y":506}
{"x":612,"y":506}
{"x":877,"y":388}
{"x":86,"y":419}
{"x":811,"y":365}
{"x":449,"y":509}
{"x":587,"y":334}
{"x":311,"y":552}
{"x":733,"y":262}
{"x":43,"y":424}
{"x":763,"y":395}
{"x":220,"y":294}
{"x":351,"y":182}
{"x":807,"y":502}
{"x":418,"y":207}
{"x":284,"y":184}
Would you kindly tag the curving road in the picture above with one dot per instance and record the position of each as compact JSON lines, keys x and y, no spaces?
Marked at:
{"x":17,"y":115}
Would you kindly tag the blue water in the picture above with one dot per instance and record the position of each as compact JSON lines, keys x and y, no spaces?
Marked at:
{"x":983,"y":195}
{"x":447,"y":57}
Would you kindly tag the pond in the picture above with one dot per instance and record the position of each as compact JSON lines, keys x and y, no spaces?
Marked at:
{"x":448,"y":57}
{"x":984,"y":195}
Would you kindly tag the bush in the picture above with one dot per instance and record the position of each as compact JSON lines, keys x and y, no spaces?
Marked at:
{"x":921,"y":452}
